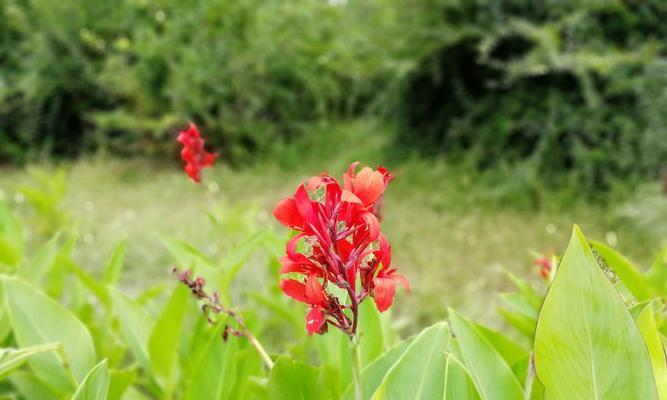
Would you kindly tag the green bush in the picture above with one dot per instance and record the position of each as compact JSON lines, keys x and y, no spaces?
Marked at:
{"x":542,"y":86}
{"x":124,"y":76}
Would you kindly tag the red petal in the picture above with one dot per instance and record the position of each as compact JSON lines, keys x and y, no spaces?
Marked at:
{"x":348,"y":178}
{"x":369,"y":185}
{"x":383,"y":293}
{"x":314,"y":320}
{"x":373,"y":225}
{"x":294,"y":289}
{"x":314,"y":292}
{"x":350,"y":197}
{"x":287,"y":213}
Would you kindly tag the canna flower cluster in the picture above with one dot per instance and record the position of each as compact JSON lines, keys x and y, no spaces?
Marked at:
{"x":193,"y":154}
{"x":339,"y":244}
{"x":546,"y":264}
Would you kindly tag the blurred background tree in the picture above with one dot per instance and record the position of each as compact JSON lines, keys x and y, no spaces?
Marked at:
{"x":552,"y":92}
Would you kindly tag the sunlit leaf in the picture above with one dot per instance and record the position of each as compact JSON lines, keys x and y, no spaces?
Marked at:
{"x":10,"y":359}
{"x":634,"y":280}
{"x":492,"y":376}
{"x":37,"y":319}
{"x":649,"y":331}
{"x":95,"y":386}
{"x":586,"y":342}
{"x":420,"y":372}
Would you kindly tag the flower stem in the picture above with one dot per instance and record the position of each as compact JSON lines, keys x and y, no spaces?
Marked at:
{"x":356,"y":363}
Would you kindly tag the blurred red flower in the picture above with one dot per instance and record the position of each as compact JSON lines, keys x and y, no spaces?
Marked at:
{"x":339,"y":230}
{"x":193,"y":153}
{"x":546,"y":265}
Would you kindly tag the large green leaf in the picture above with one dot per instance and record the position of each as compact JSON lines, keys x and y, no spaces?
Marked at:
{"x":112,"y":270}
{"x":373,"y":374}
{"x":657,"y":274}
{"x":136,"y":326}
{"x":636,"y":283}
{"x":292,"y":380}
{"x":458,"y":383}
{"x":649,"y":331}
{"x":119,"y":381}
{"x":587,"y":345}
{"x":37,"y":319}
{"x":493,"y":377}
{"x":30,"y":387}
{"x":96,"y":384}
{"x":214,"y":375}
{"x":371,"y":335}
{"x":42,"y":261}
{"x":11,"y":237}
{"x":420,"y":372}
{"x":164,"y":339}
{"x":10,"y":359}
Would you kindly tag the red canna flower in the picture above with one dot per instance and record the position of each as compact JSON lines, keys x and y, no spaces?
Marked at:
{"x":343,"y":246}
{"x":193,"y":153}
{"x":545,"y":264}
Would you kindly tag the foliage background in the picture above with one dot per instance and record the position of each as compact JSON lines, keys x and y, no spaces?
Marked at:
{"x":552,"y":93}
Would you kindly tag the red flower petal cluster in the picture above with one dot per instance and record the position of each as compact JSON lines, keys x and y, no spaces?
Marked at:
{"x":193,"y":154}
{"x":546,"y":265}
{"x":339,"y":230}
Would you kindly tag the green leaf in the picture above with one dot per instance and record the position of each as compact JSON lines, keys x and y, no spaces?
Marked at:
{"x":420,"y":372}
{"x":636,"y":283}
{"x":586,"y":341}
{"x":42,"y":261}
{"x":30,"y":387}
{"x":508,"y":350}
{"x":136,"y":326}
{"x":37,"y":319}
{"x":164,"y":339}
{"x":185,"y":254}
{"x":371,"y":335}
{"x":649,"y":331}
{"x":9,"y":255}
{"x":11,"y":235}
{"x":373,"y":374}
{"x":493,"y":378}
{"x":215,"y":374}
{"x":119,"y":381}
{"x":96,"y":384}
{"x":10,"y":359}
{"x":657,"y":274}
{"x":235,"y":260}
{"x":112,"y":270}
{"x":458,"y":383}
{"x":292,"y":380}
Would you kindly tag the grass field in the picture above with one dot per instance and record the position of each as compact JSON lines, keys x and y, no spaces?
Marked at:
{"x":448,"y":238}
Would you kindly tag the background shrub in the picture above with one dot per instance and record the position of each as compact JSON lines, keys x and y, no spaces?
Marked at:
{"x":542,"y":86}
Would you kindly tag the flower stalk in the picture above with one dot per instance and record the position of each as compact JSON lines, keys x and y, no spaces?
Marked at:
{"x":212,"y":305}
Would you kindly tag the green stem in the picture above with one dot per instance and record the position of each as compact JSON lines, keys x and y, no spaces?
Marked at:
{"x":356,"y":363}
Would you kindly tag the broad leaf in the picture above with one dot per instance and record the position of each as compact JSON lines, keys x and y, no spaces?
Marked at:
{"x":586,"y":342}
{"x":42,"y":261}
{"x":493,"y":377}
{"x":112,"y":270}
{"x":373,"y":374}
{"x":135,"y":327}
{"x":119,"y":381}
{"x":96,"y":384}
{"x":10,"y":359}
{"x":215,"y":374}
{"x":164,"y":339}
{"x":37,"y":319}
{"x":649,"y":331}
{"x":292,"y":380}
{"x":636,"y":283}
{"x":371,"y":335}
{"x":458,"y":383}
{"x":420,"y":372}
